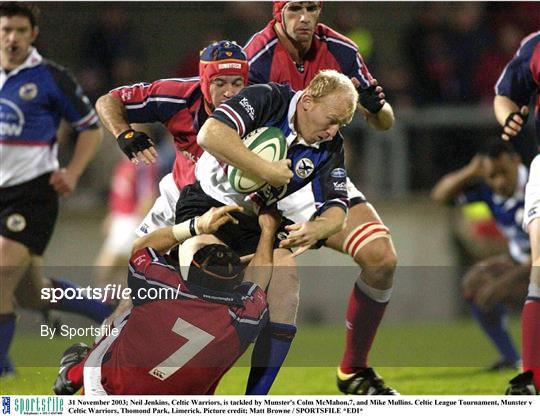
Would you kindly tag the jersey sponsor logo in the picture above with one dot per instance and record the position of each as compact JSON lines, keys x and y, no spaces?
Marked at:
{"x":230,"y":65}
{"x":338,"y":173}
{"x":16,"y":223}
{"x":28,"y":91}
{"x":340,"y":186}
{"x":532,"y":212}
{"x":11,"y":118}
{"x":137,"y":261}
{"x":129,"y":135}
{"x":244,"y":102}
{"x":304,"y":167}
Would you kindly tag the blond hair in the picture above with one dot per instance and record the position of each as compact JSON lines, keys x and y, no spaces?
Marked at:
{"x":329,"y":81}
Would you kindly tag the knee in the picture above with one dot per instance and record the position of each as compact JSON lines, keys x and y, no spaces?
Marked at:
{"x":378,"y":262}
{"x":472,"y":281}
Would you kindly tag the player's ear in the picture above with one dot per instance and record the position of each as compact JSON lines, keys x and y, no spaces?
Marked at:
{"x":35,"y":33}
{"x":307,"y":101}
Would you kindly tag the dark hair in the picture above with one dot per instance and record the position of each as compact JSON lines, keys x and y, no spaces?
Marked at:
{"x":216,"y":267}
{"x":14,"y":8}
{"x":496,"y":148}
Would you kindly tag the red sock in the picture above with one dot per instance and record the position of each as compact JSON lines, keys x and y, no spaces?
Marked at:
{"x":363,"y":318}
{"x":75,"y":374}
{"x":531,"y":338}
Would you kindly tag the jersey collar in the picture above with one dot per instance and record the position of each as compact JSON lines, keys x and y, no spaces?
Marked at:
{"x":293,"y":135}
{"x":33,"y":59}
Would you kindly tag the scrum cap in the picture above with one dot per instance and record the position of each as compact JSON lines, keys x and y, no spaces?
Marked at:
{"x":280,"y":5}
{"x":221,"y":58}
{"x":216,"y":267}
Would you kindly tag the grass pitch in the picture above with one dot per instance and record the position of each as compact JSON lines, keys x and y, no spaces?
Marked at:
{"x":416,"y":359}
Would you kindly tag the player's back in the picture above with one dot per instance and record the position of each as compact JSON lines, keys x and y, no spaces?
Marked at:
{"x":183,"y":342}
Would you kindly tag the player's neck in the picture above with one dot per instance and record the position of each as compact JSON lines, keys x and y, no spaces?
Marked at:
{"x":296,"y":50}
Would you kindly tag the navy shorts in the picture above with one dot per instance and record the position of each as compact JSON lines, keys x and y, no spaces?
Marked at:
{"x":243,"y":237}
{"x":28,"y":213}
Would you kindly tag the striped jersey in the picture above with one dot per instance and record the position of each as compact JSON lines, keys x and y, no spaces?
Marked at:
{"x":520,"y":79}
{"x":270,"y":61}
{"x":34,"y":97}
{"x":508,"y":214}
{"x":176,"y":103}
{"x":179,"y":338}
{"x":320,"y":164}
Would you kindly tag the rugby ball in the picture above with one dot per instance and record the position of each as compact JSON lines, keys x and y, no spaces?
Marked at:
{"x":269,"y":143}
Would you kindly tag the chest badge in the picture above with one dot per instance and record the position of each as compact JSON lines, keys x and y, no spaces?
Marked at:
{"x":304,"y":167}
{"x":28,"y":91}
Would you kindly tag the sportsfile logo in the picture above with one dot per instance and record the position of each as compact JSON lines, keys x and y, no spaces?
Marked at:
{"x":38,"y":405}
{"x":6,"y":405}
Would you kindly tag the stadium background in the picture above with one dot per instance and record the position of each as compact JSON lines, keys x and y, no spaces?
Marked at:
{"x":438,"y":62}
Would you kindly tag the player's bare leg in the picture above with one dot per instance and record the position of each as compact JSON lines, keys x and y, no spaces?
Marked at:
{"x":14,"y":259}
{"x":368,"y":242}
{"x":274,"y":341}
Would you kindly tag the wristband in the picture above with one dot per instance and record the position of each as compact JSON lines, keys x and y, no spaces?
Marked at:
{"x":185,"y":230}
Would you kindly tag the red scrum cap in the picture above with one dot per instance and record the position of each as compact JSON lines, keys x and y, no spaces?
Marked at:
{"x":221,"y":58}
{"x":278,"y":8}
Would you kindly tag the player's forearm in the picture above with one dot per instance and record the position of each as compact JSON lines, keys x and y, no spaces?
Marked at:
{"x":259,"y":270}
{"x":383,"y":120}
{"x":503,"y":106}
{"x":226,"y":145}
{"x":451,"y":185}
{"x":161,"y":240}
{"x":113,"y":114}
{"x":88,"y":142}
{"x":330,"y":222}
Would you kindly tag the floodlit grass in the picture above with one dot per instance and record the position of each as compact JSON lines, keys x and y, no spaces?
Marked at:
{"x":417,"y":359}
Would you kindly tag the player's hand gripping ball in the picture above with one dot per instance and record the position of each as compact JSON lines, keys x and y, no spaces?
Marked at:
{"x":267,"y":142}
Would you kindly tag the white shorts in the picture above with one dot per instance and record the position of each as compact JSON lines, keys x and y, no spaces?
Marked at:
{"x":532,"y":194}
{"x":300,"y":206}
{"x":163,"y":212}
{"x":121,"y":234}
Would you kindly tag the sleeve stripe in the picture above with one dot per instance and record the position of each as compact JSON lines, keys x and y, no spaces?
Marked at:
{"x":248,"y":320}
{"x":234,"y":117}
{"x":155,"y":99}
{"x":266,"y":48}
{"x":140,"y":84}
{"x":87,"y":120}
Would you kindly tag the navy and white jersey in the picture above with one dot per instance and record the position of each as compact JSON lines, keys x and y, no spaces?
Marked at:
{"x":321,"y":164}
{"x":508,"y":214}
{"x":33,"y":99}
{"x":520,"y":79}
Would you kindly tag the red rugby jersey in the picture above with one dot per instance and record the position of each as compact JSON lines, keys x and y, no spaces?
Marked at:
{"x":270,"y":61}
{"x":176,"y":103}
{"x":184,"y":342}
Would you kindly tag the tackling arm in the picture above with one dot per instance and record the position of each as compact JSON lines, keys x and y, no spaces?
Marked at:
{"x":112,"y":114}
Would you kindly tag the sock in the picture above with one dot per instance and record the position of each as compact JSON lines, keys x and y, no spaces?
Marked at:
{"x":76,"y":373}
{"x":7,"y":329}
{"x":531,"y":334}
{"x":270,"y":350}
{"x":363,"y":318}
{"x":493,"y":324}
{"x":91,"y":308}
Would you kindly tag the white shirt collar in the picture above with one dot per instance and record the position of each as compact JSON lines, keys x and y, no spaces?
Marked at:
{"x":33,"y":59}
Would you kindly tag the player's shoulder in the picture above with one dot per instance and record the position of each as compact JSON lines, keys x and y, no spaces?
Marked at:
{"x":181,"y":87}
{"x":326,"y":34}
{"x":261,"y":41}
{"x":59,"y":73}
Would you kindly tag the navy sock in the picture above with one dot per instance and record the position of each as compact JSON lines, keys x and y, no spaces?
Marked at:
{"x":91,"y":308}
{"x":7,"y":329}
{"x":270,"y":350}
{"x":494,"y":325}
